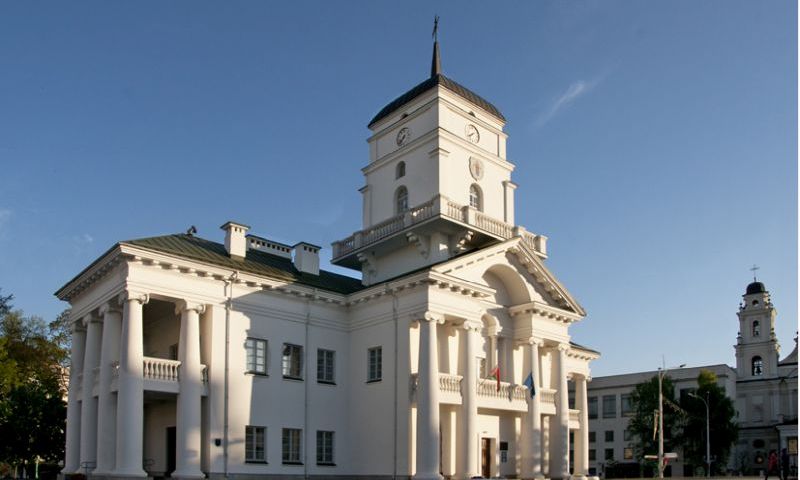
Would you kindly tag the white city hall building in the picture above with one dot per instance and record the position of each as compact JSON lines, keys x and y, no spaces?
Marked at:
{"x":243,"y":359}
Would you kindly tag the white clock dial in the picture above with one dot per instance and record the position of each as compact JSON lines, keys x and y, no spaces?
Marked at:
{"x":403,"y":135}
{"x":472,"y":133}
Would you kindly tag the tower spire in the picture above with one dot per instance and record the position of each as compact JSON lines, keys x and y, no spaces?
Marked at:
{"x":436,"y":65}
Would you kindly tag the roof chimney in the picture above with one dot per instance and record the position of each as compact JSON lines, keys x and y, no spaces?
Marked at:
{"x":306,"y":258}
{"x":235,"y":242}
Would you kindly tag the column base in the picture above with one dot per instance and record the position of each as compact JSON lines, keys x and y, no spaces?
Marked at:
{"x":579,"y":477}
{"x":127,"y":474}
{"x":427,"y":476}
{"x":188,"y":474}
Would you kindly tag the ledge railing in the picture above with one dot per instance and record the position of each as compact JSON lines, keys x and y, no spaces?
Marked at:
{"x":440,"y":206}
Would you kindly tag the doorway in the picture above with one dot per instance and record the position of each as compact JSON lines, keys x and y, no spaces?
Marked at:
{"x":171,"y":451}
{"x":486,"y":457}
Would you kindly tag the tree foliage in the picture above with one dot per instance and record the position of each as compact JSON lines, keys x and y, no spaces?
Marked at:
{"x":33,"y":358}
{"x":644,"y":402}
{"x":723,"y":428}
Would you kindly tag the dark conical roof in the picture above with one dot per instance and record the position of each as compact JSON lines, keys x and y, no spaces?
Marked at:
{"x":436,"y":78}
{"x":755,"y":287}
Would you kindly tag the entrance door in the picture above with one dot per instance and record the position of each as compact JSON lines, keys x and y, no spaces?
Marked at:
{"x":486,"y":457}
{"x":170,"y":451}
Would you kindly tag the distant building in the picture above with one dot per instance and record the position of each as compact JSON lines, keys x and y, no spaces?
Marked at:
{"x":764,"y":390}
{"x":245,"y":360}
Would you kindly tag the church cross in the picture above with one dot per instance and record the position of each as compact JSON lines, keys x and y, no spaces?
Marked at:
{"x":436,"y":28}
{"x":753,"y":269}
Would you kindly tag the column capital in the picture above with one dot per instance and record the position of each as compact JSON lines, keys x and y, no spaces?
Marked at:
{"x":91,"y":317}
{"x":428,"y":316}
{"x":562,"y":347}
{"x":134,"y":296}
{"x":530,"y":341}
{"x":185,"y":306}
{"x":470,"y":326}
{"x":110,"y":306}
{"x":78,"y":326}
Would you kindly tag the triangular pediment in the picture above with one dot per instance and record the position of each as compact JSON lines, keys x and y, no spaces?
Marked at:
{"x":512,"y":254}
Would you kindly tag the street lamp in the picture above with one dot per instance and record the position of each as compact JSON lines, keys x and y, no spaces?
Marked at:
{"x":708,"y":434}
{"x":661,"y":373}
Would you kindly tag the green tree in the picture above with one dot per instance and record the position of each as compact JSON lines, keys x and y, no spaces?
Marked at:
{"x":722,"y":413}
{"x":32,"y":388}
{"x":642,"y":426}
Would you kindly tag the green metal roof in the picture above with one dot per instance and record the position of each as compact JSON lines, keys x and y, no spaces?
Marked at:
{"x":255,"y":261}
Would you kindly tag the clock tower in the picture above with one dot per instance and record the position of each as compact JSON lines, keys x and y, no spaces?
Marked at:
{"x":757,"y":347}
{"x":437,"y":183}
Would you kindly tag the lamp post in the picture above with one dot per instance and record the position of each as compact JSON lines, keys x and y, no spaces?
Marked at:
{"x":661,"y":372}
{"x":708,"y":433}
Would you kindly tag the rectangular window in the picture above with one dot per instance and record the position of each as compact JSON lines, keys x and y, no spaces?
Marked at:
{"x":292,"y":361}
{"x":255,"y":442}
{"x":592,"y":407}
{"x":324,"y":448}
{"x":256,"y":349}
{"x":626,"y":405}
{"x":609,"y":454}
{"x":609,"y":435}
{"x":609,"y":406}
{"x":292,"y":439}
{"x":325,"y":366}
{"x":375,"y":362}
{"x":626,"y":435}
{"x":592,"y":454}
{"x":592,"y":437}
{"x":627,"y":454}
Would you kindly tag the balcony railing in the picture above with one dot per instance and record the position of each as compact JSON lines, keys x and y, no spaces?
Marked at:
{"x":548,"y":396}
{"x":440,"y":206}
{"x":161,"y":369}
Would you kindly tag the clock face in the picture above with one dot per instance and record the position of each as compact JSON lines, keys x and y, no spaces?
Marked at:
{"x":403,"y":135}
{"x":472,"y":133}
{"x":476,"y":168}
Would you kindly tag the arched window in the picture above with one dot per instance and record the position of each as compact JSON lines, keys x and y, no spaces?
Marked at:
{"x":475,"y":197}
{"x":400,"y":170}
{"x":758,"y":366}
{"x":756,"y":328}
{"x":401,"y":200}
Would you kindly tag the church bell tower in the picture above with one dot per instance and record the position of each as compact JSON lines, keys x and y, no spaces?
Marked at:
{"x":757,"y":347}
{"x":438,"y":182}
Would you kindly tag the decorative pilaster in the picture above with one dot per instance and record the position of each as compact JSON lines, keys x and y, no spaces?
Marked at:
{"x":532,"y":426}
{"x":187,"y":451}
{"x":107,"y":401}
{"x":559,"y":466}
{"x":72,"y":458}
{"x":468,"y":457}
{"x":581,"y":469}
{"x":427,"y":451}
{"x":130,"y":395}
{"x":89,"y":404}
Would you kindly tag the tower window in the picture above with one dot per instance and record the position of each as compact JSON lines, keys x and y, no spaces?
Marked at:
{"x":756,"y":328}
{"x":401,"y":200}
{"x":475,"y":200}
{"x":758,"y":366}
{"x":400,"y":170}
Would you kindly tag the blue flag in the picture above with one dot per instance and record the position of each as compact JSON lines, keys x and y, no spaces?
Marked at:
{"x":529,"y":383}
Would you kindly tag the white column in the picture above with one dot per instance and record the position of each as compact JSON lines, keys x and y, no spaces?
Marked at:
{"x":559,"y":466}
{"x":91,"y":359}
{"x":582,"y":435}
{"x":72,"y":458}
{"x":508,"y":199}
{"x":106,"y":400}
{"x":427,"y":451}
{"x":187,"y":439}
{"x":468,"y":457}
{"x":532,"y":427}
{"x":130,"y":395}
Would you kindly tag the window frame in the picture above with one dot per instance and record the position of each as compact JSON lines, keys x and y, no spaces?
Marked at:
{"x":608,"y":454}
{"x":287,"y":368}
{"x":400,"y":170}
{"x":593,"y":407}
{"x":625,"y":405}
{"x":401,"y":192}
{"x":757,"y":366}
{"x":610,"y":400}
{"x":323,"y":364}
{"x":609,"y":436}
{"x":478,"y":194}
{"x":254,"y":356}
{"x":251,"y":433}
{"x":375,"y":374}
{"x":756,"y":331}
{"x":287,"y":440}
{"x":321,"y":447}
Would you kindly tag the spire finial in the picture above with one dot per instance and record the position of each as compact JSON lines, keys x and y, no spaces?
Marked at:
{"x":436,"y":66}
{"x":753,"y":269}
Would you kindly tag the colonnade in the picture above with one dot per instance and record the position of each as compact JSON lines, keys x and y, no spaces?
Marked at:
{"x":535,"y":437}
{"x":105,"y":434}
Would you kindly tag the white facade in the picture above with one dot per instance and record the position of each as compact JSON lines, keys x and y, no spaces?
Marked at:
{"x":242,"y":358}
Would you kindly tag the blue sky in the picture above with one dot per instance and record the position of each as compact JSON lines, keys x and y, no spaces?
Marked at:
{"x":655,"y":142}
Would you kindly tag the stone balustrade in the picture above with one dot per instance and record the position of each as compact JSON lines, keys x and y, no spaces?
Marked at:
{"x":438,"y":206}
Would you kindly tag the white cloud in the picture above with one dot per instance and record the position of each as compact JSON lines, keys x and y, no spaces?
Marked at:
{"x":575,"y":91}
